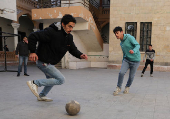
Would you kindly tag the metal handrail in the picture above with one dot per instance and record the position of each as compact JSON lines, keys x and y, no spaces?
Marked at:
{"x":40,"y":4}
{"x":85,"y":3}
{"x":57,"y":3}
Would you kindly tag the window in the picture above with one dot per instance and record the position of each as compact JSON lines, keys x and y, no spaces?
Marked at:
{"x":22,"y":35}
{"x":131,"y":28}
{"x":145,"y":35}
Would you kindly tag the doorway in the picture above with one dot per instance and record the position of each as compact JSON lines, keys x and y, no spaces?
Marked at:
{"x":22,"y":35}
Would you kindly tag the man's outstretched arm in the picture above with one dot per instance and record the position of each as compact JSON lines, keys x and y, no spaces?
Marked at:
{"x":75,"y":52}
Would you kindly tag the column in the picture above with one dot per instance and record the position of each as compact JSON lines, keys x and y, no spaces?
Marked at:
{"x":15,"y":26}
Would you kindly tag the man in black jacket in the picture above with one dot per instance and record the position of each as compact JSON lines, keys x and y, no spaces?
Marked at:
{"x":22,"y":48}
{"x":53,"y":45}
{"x":6,"y":48}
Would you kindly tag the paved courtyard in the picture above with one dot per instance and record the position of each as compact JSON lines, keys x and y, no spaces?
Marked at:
{"x":149,"y":97}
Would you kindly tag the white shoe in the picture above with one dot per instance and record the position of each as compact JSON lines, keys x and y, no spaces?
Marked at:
{"x":151,"y":75}
{"x":33,"y":88}
{"x":126,"y":90}
{"x":46,"y":99}
{"x":116,"y":91}
{"x":141,"y":74}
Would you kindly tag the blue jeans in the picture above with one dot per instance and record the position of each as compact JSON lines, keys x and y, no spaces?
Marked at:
{"x":53,"y":77}
{"x":21,"y":58}
{"x":125,"y":66}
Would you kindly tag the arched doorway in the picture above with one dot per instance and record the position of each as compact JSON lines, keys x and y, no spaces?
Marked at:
{"x":26,"y":26}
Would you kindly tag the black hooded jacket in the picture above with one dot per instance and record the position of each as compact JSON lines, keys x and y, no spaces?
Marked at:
{"x":22,"y":48}
{"x":53,"y":44}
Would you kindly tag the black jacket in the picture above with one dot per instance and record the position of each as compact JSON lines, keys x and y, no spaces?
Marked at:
{"x":53,"y":44}
{"x":22,"y":48}
{"x":5,"y":48}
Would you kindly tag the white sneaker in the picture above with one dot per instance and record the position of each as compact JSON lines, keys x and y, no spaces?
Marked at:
{"x":141,"y":74}
{"x":116,"y":91}
{"x":46,"y":99}
{"x":151,"y":75}
{"x":126,"y":90}
{"x":33,"y":88}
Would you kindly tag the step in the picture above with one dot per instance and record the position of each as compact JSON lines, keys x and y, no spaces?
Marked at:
{"x":155,"y":67}
{"x":58,"y":65}
{"x":14,"y":63}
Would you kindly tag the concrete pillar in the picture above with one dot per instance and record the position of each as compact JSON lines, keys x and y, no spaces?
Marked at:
{"x":15,"y":26}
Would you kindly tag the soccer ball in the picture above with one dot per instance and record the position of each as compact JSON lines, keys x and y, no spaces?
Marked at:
{"x":72,"y":107}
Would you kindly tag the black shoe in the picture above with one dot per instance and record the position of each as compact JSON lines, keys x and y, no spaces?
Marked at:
{"x":18,"y":75}
{"x":26,"y":75}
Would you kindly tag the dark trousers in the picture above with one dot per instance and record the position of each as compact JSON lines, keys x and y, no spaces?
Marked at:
{"x":146,"y":64}
{"x":21,"y":58}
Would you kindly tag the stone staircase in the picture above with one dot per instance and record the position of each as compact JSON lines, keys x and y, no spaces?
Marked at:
{"x":15,"y":63}
{"x":155,"y":67}
{"x":59,"y":65}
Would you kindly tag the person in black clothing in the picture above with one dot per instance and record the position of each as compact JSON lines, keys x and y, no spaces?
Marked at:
{"x":22,"y":48}
{"x":54,"y":42}
{"x":150,"y":56}
{"x":6,"y":48}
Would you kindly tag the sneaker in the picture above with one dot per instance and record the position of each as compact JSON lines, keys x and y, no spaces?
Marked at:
{"x":142,"y":74}
{"x":33,"y":88}
{"x":116,"y":91}
{"x":18,"y":75}
{"x":151,"y":75}
{"x":26,"y":75}
{"x":126,"y":90}
{"x":46,"y":99}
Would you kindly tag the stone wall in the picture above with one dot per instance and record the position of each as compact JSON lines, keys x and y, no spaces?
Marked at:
{"x":157,"y":12}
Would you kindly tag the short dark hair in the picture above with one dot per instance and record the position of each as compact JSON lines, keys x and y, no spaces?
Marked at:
{"x":118,"y":28}
{"x":68,"y":18}
{"x":24,"y":37}
{"x":150,"y":45}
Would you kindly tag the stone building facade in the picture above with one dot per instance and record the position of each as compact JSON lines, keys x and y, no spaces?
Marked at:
{"x":151,"y":23}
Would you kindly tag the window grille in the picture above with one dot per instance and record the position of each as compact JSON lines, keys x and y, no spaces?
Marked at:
{"x":145,"y":35}
{"x":131,"y":28}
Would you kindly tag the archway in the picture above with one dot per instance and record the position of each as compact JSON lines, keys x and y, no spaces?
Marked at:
{"x":26,"y":25}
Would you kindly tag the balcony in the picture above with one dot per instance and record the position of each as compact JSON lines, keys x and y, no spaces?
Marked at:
{"x":87,"y":26}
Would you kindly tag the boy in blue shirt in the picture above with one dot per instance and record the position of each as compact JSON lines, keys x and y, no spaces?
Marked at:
{"x":131,"y":58}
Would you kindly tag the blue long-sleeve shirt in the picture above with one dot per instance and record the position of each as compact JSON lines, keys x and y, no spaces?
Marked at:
{"x":129,"y":43}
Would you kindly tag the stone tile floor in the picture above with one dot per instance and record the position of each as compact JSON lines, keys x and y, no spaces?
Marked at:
{"x":149,"y":97}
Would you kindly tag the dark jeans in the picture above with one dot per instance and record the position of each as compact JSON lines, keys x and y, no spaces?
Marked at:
{"x":21,"y":59}
{"x":146,"y":64}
